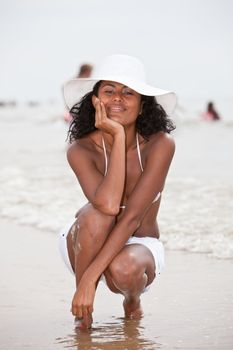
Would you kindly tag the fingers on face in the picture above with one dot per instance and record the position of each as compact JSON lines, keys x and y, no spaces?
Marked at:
{"x":103,"y":110}
{"x":96,"y":103}
{"x":99,"y":105}
{"x":97,"y":113}
{"x":94,"y":100}
{"x":100,"y":115}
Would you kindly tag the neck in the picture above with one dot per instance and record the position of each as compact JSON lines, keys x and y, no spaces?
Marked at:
{"x":130,"y":136}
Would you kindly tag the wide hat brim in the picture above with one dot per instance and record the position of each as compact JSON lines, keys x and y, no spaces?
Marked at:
{"x":75,"y":89}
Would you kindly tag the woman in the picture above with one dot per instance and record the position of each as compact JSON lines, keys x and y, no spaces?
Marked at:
{"x":120,"y":151}
{"x":211,"y":113}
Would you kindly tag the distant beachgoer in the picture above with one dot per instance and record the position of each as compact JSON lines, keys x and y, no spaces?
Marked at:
{"x":120,"y":151}
{"x":85,"y":71}
{"x":211,"y":113}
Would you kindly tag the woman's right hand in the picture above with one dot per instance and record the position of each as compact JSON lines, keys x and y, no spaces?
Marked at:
{"x":102,"y":122}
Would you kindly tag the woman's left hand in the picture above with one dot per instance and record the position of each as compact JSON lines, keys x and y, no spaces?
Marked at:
{"x":83,"y":300}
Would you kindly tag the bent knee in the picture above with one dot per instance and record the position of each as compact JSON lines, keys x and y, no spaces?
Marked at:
{"x":126,"y":271}
{"x":93,"y":221}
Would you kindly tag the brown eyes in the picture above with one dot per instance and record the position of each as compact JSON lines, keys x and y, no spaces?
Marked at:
{"x":127,"y":92}
{"x":108,"y":92}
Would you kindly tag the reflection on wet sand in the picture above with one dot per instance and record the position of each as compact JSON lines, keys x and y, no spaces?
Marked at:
{"x":119,"y":334}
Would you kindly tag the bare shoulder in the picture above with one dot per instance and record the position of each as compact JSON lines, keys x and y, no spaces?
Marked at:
{"x":162,"y":138}
{"x":80,"y":149}
{"x":83,"y":145}
{"x":74,"y":150}
{"x":162,"y":143}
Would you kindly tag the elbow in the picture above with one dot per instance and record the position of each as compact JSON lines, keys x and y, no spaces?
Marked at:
{"x":109,"y":210}
{"x":112,"y":211}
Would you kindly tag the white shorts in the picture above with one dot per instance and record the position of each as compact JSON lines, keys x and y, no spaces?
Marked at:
{"x":153,"y":244}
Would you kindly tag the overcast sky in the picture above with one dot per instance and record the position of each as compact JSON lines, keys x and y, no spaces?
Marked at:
{"x":186,"y":46}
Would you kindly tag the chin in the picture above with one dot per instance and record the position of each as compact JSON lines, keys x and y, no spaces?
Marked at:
{"x":117,"y":118}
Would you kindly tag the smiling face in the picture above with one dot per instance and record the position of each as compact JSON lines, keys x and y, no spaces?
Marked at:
{"x":122,"y":104}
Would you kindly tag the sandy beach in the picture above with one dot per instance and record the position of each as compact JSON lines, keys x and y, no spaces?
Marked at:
{"x":190,"y":307}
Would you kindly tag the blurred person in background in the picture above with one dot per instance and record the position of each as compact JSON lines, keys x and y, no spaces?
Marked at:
{"x":211,"y":113}
{"x":85,"y":71}
{"x":120,"y":152}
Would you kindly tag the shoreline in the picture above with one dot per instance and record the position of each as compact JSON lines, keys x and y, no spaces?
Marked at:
{"x":188,"y":307}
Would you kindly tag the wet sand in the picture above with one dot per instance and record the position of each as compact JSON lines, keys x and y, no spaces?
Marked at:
{"x":189,"y":307}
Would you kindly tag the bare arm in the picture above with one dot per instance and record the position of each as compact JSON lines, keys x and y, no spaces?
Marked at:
{"x":104,"y":192}
{"x":150,"y":183}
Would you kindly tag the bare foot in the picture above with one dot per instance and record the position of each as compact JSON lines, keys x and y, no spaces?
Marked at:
{"x":82,"y":324}
{"x":133,"y":309}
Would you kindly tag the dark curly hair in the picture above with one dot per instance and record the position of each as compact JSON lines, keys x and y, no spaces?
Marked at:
{"x":152,"y":119}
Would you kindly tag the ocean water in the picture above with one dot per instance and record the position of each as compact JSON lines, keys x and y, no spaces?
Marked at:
{"x":37,"y":187}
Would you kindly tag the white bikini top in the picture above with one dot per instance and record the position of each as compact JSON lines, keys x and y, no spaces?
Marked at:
{"x":139,"y":159}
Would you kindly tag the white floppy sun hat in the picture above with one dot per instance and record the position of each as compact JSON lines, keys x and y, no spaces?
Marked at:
{"x":125,"y":70}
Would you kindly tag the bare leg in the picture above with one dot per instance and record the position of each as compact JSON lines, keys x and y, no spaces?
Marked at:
{"x":84,"y":243}
{"x":129,"y":273}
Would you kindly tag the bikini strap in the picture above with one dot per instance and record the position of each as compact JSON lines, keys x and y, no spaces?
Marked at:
{"x":140,"y":161}
{"x":105,"y":157}
{"x":157,"y":197}
{"x":139,"y":153}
